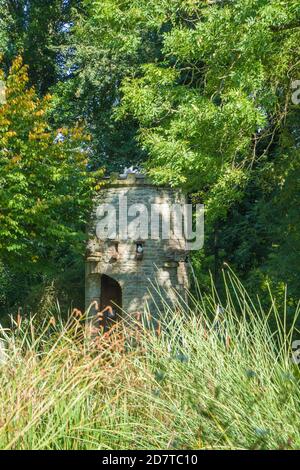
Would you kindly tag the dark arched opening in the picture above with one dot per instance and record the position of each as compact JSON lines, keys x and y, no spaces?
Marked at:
{"x":111,"y":294}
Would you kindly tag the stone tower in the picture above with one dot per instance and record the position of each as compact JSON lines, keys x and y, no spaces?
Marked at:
{"x":118,"y":270}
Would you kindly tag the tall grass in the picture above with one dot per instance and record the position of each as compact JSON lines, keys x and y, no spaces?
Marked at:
{"x":204,"y":377}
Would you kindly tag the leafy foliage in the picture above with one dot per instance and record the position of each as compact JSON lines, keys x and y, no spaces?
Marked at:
{"x":209,"y":109}
{"x":199,"y":93}
{"x":99,"y":54}
{"x":216,"y":117}
{"x":45,"y":188}
{"x":37,"y":30}
{"x":5,"y":22}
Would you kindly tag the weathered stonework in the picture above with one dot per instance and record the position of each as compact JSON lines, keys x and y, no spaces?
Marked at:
{"x":115,"y":265}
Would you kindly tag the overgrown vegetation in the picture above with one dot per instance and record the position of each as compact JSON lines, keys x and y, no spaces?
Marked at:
{"x":199,"y":93}
{"x":205,"y":378}
{"x":203,"y":96}
{"x":45,"y":189}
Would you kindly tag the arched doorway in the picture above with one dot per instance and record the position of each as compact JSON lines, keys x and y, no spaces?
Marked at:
{"x":111,"y":294}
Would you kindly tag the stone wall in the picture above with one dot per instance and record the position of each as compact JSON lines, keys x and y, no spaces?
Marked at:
{"x":163,"y":261}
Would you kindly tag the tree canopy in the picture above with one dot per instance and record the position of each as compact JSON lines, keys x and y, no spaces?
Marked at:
{"x":206,"y":91}
{"x":45,"y":186}
{"x":203,"y":94}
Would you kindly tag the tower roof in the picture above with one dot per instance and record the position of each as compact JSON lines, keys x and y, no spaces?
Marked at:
{"x":128,"y":179}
